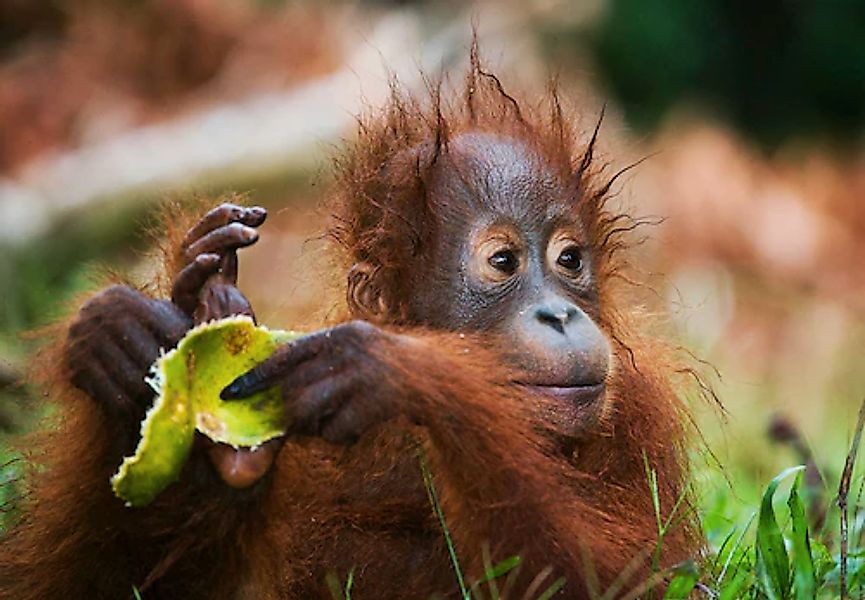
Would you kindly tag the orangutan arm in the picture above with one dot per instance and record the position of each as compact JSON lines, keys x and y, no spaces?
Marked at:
{"x":501,"y":479}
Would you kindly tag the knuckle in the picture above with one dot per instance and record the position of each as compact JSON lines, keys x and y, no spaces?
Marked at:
{"x":111,"y":299}
{"x":197,"y":265}
{"x":206,"y":259}
{"x":237,"y":229}
{"x":118,"y":292}
{"x":228,"y":209}
{"x":78,"y":328}
{"x":130,"y":330}
{"x":169,"y":317}
{"x":361,"y":329}
{"x":106,"y":302}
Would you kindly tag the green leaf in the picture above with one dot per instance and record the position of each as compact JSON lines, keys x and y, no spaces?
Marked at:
{"x":823,"y":560}
{"x":733,"y":588}
{"x":684,"y":579}
{"x":188,"y":381}
{"x":804,"y":580}
{"x":773,"y":568}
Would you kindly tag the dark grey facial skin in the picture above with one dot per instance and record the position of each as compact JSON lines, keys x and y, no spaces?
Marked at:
{"x":495,"y":200}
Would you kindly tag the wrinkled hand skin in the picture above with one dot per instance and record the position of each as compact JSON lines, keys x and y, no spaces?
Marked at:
{"x":333,"y":384}
{"x":119,"y":333}
{"x":112,"y":343}
{"x":205,"y":288}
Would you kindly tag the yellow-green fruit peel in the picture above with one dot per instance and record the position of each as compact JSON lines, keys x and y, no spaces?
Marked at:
{"x":187,"y":381}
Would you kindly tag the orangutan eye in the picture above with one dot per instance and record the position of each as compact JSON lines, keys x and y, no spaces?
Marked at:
{"x":505,"y":261}
{"x":571,"y":259}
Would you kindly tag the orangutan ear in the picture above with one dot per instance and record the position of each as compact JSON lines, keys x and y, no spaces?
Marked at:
{"x":364,"y":294}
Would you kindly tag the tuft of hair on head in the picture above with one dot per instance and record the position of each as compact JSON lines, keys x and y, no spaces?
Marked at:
{"x":379,"y":210}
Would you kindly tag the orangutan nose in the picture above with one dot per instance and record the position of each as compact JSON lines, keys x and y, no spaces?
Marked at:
{"x":556,"y":314}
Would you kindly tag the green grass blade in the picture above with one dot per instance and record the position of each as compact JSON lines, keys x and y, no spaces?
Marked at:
{"x":493,"y":572}
{"x":652,"y":477}
{"x":437,"y":509}
{"x":333,"y":586}
{"x":501,"y":568}
{"x":722,"y":550}
{"x":733,"y":551}
{"x":773,"y":565}
{"x":551,"y":591}
{"x":684,"y":579}
{"x":735,"y":588}
{"x":804,"y":580}
{"x":348,"y":584}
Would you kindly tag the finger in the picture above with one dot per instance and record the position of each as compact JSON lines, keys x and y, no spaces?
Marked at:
{"x":139,"y":343}
{"x":103,"y":306}
{"x":222,"y":215}
{"x":82,"y":329}
{"x":190,"y":280}
{"x":95,"y":382}
{"x":220,"y":300}
{"x":128,"y":376}
{"x":167,"y":322}
{"x":224,"y":239}
{"x":318,"y":403}
{"x":254,"y":216}
{"x":217,"y":217}
{"x":229,"y":237}
{"x":309,"y":372}
{"x":269,"y":372}
{"x":228,"y":270}
{"x":346,"y":426}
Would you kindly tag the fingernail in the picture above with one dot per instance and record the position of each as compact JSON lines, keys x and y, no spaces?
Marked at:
{"x":232,"y":390}
{"x":207,"y":259}
{"x":255,"y":215}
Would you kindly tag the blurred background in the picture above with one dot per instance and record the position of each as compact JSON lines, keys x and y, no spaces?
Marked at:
{"x":752,"y":112}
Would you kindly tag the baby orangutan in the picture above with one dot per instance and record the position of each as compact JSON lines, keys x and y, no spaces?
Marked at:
{"x":484,"y":334}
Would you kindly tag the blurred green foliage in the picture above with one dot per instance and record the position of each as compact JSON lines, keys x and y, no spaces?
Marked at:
{"x":39,"y":279}
{"x":42,"y":274}
{"x":764,"y":544}
{"x":776,"y":69}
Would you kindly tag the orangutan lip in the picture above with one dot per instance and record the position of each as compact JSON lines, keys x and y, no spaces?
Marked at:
{"x":578,"y":394}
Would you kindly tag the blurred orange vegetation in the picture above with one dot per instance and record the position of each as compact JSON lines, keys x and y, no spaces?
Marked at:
{"x":764,"y":255}
{"x":795,"y":220}
{"x":88,"y":70}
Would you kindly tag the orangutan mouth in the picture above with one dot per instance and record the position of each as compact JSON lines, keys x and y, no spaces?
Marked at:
{"x":577,"y":395}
